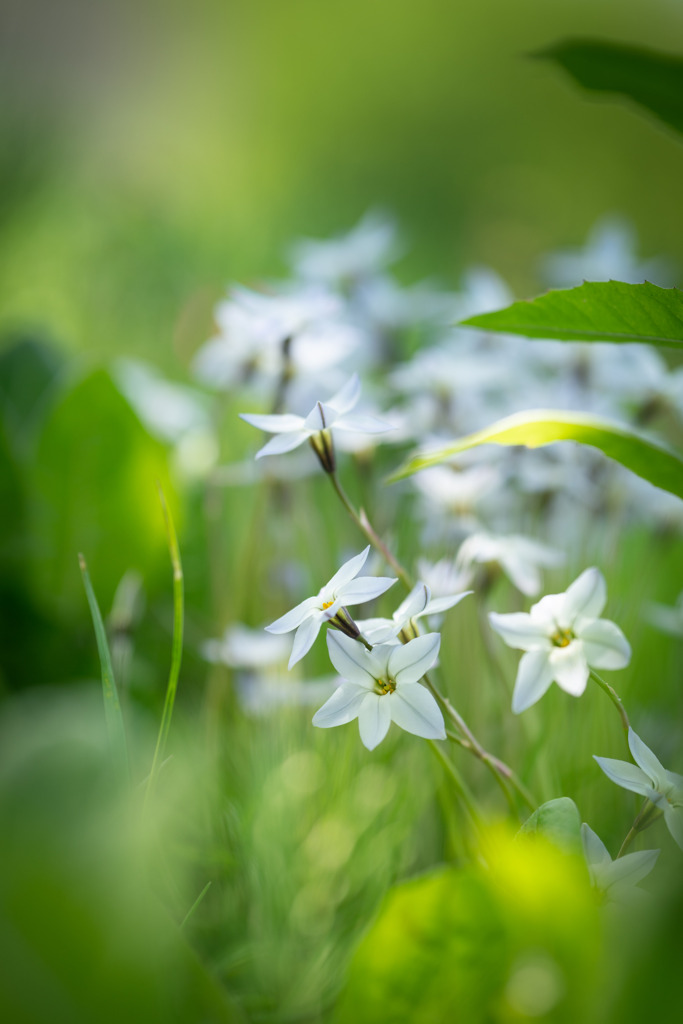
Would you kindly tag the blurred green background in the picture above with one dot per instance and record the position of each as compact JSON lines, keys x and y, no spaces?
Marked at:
{"x":150,"y":154}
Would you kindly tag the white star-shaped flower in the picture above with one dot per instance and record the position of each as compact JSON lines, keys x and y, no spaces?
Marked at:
{"x":417,"y":604}
{"x":518,"y":557}
{"x":381,"y":686}
{"x":291,"y":431}
{"x":615,"y":880}
{"x":329,"y":605}
{"x":564,"y":639}
{"x":649,"y":778}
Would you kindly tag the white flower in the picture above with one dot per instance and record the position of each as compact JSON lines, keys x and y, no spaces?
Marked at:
{"x":662,"y":788}
{"x":366,"y":249}
{"x":291,"y":431}
{"x":242,"y":647}
{"x":381,"y":686}
{"x":668,"y":619}
{"x":615,"y":879}
{"x":518,"y":557}
{"x":329,"y":605}
{"x":563,"y":638}
{"x":417,"y":604}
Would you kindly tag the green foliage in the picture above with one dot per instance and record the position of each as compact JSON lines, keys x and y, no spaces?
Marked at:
{"x":100,"y":499}
{"x":651,"y":79}
{"x":602,"y":311}
{"x":653,"y":462}
{"x":516,"y":939}
{"x":558,"y":821}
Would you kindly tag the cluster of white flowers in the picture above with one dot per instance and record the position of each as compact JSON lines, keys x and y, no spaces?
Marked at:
{"x":294,"y":345}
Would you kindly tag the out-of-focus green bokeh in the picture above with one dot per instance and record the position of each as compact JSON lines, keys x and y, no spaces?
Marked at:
{"x":150,"y":153}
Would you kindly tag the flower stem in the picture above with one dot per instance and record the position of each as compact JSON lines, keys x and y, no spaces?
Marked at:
{"x":646,"y":816}
{"x":459,"y":784}
{"x":363,"y":523}
{"x":615,"y":698}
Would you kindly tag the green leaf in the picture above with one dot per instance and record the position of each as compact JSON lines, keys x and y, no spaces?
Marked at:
{"x":594,"y":311}
{"x":652,"y":80}
{"x":112,"y":706}
{"x":558,"y":821}
{"x":645,"y":458}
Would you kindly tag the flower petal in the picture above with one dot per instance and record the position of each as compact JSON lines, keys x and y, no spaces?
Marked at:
{"x":626,"y":775}
{"x":304,"y":638}
{"x":520,"y":631}
{"x":534,"y":676}
{"x":631,"y":868}
{"x":345,"y":399}
{"x":594,"y":849}
{"x":414,"y":709}
{"x":342,"y":707}
{"x":350,"y":659}
{"x":282,"y":443}
{"x":413,"y":604}
{"x":525,"y":576}
{"x":646,"y":760}
{"x":359,"y":423}
{"x":274,"y":424}
{"x":604,"y":645}
{"x":374,"y":719}
{"x":673,"y":816}
{"x":347,"y":571}
{"x":569,"y":667}
{"x":587,"y":595}
{"x":409,"y":662}
{"x":292,"y":619}
{"x":442,"y":604}
{"x":365,"y":588}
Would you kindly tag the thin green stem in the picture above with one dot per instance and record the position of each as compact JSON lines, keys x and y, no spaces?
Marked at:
{"x":363,"y":523}
{"x":196,"y":903}
{"x":176,"y":645}
{"x":615,"y":698}
{"x":459,"y":785}
{"x":646,"y":816}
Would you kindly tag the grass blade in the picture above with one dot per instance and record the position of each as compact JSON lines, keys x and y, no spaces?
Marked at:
{"x":112,"y":707}
{"x":176,"y":646}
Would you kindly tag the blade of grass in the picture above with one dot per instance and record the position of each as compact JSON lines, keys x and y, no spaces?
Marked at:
{"x":112,"y":707}
{"x":196,"y":903}
{"x":176,"y":646}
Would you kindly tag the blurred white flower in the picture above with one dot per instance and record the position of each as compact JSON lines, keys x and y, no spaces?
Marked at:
{"x":564,"y":639}
{"x":168,"y":410}
{"x":291,"y":431}
{"x":443,"y":577}
{"x":329,"y":605}
{"x":650,"y":779}
{"x":418,"y":604}
{"x":242,"y":647}
{"x":381,"y":686}
{"x":615,"y":880}
{"x":363,"y":251}
{"x":609,"y":254}
{"x":668,"y":619}
{"x":518,"y":557}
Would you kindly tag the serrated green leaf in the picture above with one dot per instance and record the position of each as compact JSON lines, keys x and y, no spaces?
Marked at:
{"x":558,"y":821}
{"x":594,"y":311}
{"x":653,"y":462}
{"x":651,"y":79}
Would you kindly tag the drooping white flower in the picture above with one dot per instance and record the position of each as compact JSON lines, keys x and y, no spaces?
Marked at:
{"x":329,"y":604}
{"x":616,"y":879}
{"x":518,"y":557}
{"x":418,"y":604}
{"x":381,"y":686}
{"x":563,"y":639}
{"x":648,"y":777}
{"x":291,"y":431}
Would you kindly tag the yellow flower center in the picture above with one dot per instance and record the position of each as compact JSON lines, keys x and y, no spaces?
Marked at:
{"x":384,"y":686}
{"x":327,"y":604}
{"x":562,"y":638}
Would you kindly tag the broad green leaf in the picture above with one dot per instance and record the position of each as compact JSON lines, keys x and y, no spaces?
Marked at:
{"x":652,"y":461}
{"x":112,"y":707}
{"x":594,"y":311}
{"x":558,"y":821}
{"x":651,"y":79}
